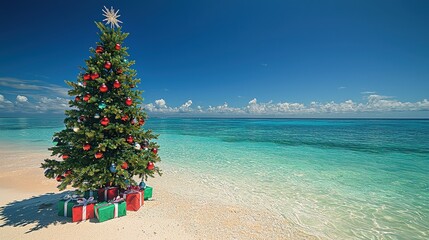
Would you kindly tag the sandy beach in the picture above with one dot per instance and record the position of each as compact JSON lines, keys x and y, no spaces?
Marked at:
{"x":182,"y":208}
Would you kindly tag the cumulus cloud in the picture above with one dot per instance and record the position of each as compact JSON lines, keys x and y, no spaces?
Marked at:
{"x":161,"y":106}
{"x":21,"y":99}
{"x":372,"y":104}
{"x":186,"y":107}
{"x":160,"y":103}
{"x":51,"y":104}
{"x":4,"y":103}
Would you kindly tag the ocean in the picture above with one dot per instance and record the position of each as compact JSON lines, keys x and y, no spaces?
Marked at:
{"x":336,"y":179}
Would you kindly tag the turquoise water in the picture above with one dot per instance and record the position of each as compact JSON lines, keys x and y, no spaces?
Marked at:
{"x":340,"y":179}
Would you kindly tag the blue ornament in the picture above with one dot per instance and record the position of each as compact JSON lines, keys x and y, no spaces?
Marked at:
{"x":112,"y":168}
{"x":102,"y":105}
{"x":127,"y":182}
{"x":142,"y":185}
{"x":56,"y":139}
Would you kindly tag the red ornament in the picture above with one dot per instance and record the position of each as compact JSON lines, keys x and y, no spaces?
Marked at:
{"x":77,"y":98}
{"x":87,"y":97}
{"x":118,"y":46}
{"x":124,"y":118}
{"x":116,"y":84}
{"x":124,"y":165}
{"x":155,"y":150}
{"x":94,"y":76}
{"x":60,"y":178}
{"x":86,"y":76}
{"x":86,"y":146}
{"x":108,"y":65}
{"x":98,"y":155}
{"x":119,"y":71}
{"x":105,"y":121}
{"x":82,"y":118}
{"x":99,"y":49}
{"x":141,"y":121}
{"x":130,"y":139}
{"x":129,"y":101}
{"x":65,"y":156}
{"x":150,"y":166}
{"x":103,"y":88}
{"x":68,"y":172}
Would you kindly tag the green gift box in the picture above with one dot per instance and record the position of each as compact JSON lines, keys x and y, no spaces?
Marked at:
{"x":148,"y":193}
{"x":65,"y":206}
{"x":91,"y":193}
{"x":105,"y":211}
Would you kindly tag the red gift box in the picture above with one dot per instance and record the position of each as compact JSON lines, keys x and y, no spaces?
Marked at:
{"x":83,"y":211}
{"x":134,"y":199}
{"x":107,"y":193}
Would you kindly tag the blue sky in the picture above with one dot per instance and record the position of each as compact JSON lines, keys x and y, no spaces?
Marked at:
{"x":264,"y":58}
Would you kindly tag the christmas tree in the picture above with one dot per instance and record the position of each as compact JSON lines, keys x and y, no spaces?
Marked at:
{"x":104,"y":143}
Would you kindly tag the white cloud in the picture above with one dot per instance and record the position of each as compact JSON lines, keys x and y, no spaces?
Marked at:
{"x":51,"y":104}
{"x":186,"y":107}
{"x":4,"y":103}
{"x":21,"y":99}
{"x":161,"y":103}
{"x":224,"y":109}
{"x":29,"y":86}
{"x":372,"y":104}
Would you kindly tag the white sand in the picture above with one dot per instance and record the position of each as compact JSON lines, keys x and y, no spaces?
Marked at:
{"x":181,"y":209}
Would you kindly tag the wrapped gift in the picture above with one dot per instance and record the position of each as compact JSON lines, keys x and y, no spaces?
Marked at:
{"x":83,"y":210}
{"x":148,"y":193}
{"x":107,"y":193}
{"x":108,"y":210}
{"x":91,"y":193}
{"x":134,"y":198}
{"x":66,"y":204}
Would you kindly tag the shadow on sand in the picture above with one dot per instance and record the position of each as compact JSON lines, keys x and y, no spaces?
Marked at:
{"x":40,"y":211}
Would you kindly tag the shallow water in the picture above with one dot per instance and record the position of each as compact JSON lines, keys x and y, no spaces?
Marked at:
{"x":341,"y":179}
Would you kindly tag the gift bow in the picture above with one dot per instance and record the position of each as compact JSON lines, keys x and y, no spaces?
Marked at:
{"x":84,"y":201}
{"x":117,"y":199}
{"x":68,"y":198}
{"x":71,"y":197}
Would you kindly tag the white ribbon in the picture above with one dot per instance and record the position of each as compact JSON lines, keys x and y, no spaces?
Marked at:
{"x":84,"y":213}
{"x":68,"y":198}
{"x":65,"y":207}
{"x":116,"y":210}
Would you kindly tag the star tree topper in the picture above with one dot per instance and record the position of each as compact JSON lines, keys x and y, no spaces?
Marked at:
{"x":111,"y":17}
